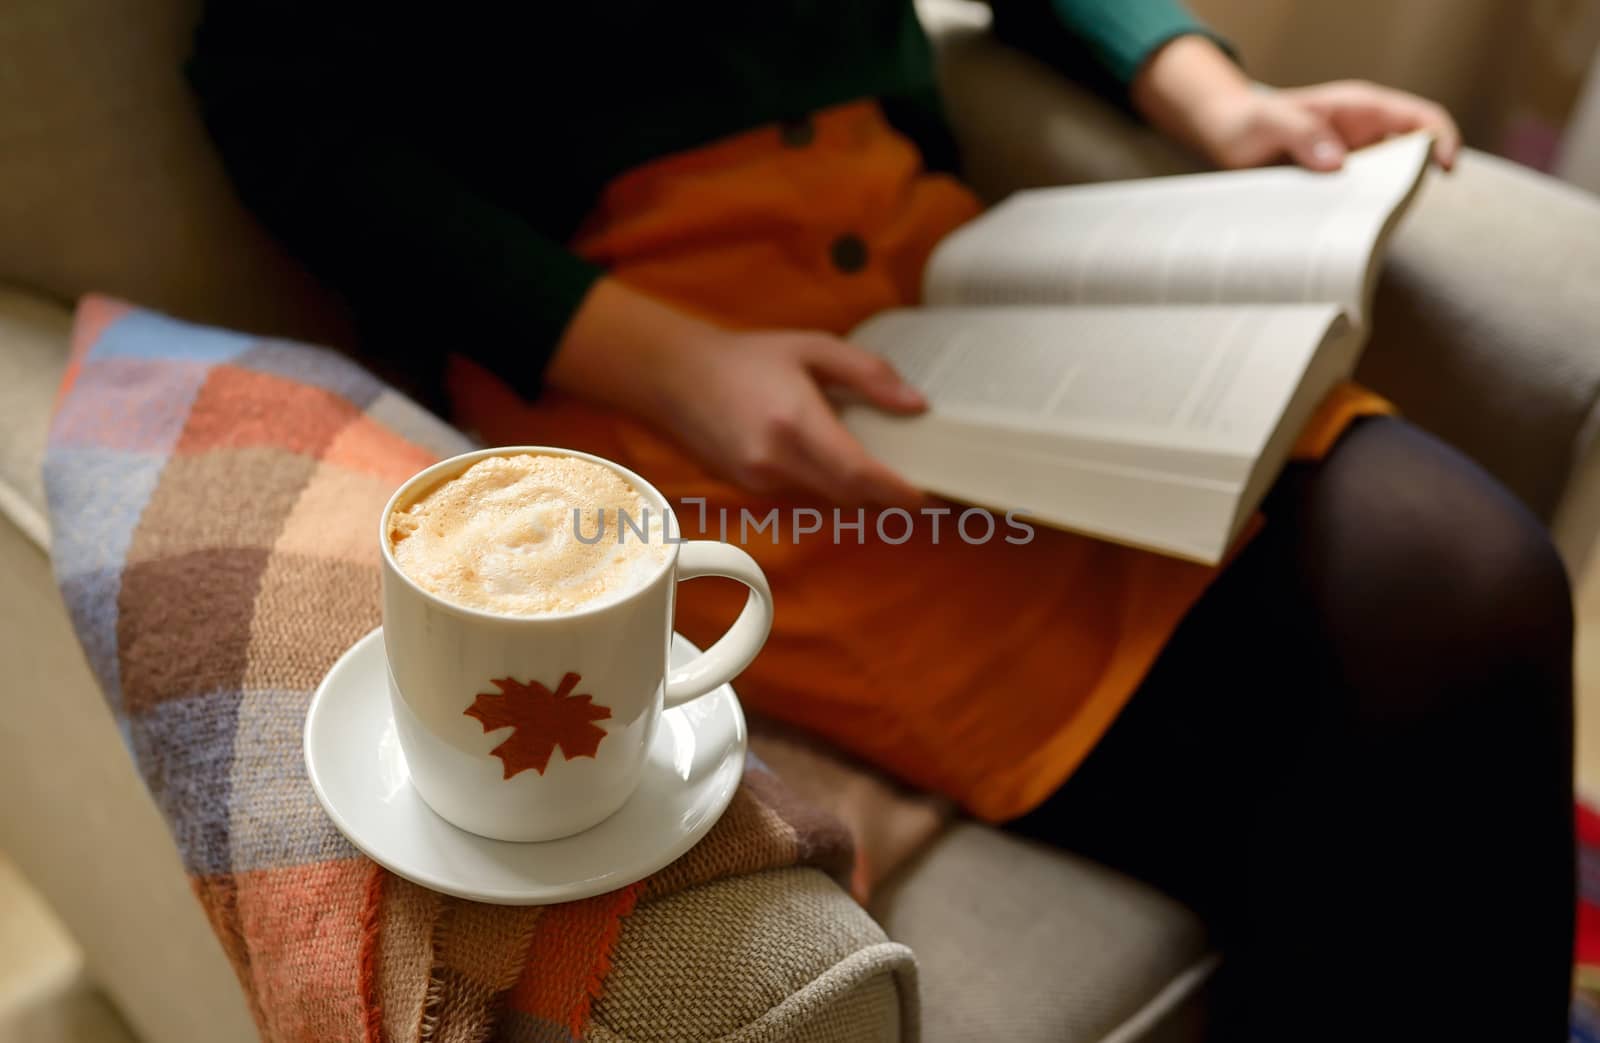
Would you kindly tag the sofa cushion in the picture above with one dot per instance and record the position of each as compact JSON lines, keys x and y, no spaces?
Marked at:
{"x":1018,"y":942}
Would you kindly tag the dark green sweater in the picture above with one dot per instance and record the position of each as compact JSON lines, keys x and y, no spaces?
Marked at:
{"x":431,"y":168}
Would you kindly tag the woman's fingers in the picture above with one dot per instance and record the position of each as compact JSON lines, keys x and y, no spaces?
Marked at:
{"x":1446,"y":135}
{"x":835,"y":361}
{"x":757,"y":413}
{"x":841,"y":469}
{"x":1365,"y":113}
{"x":853,"y":475}
{"x":1309,"y":138}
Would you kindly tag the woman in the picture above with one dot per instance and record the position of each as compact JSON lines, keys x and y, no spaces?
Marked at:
{"x":645,"y":227}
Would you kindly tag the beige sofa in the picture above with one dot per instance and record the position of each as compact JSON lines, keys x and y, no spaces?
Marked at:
{"x":1487,"y":333}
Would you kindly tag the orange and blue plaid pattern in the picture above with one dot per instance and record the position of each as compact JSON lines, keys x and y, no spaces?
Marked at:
{"x":212,"y":498}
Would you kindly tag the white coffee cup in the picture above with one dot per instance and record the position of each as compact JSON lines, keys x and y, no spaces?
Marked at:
{"x":443,"y":657}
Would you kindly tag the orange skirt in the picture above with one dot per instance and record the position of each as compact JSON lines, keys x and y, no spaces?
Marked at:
{"x":984,"y":671}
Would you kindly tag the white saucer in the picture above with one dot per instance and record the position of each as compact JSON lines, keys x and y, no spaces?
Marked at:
{"x":353,"y":757}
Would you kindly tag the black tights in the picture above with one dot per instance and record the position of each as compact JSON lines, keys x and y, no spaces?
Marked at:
{"x":1354,"y":760}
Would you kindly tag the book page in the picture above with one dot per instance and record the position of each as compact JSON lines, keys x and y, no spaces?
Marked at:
{"x":1155,"y":427}
{"x":1275,"y":235}
{"x":1194,"y":377}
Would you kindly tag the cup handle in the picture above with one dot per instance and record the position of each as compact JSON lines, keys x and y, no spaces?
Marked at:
{"x":734,"y":650}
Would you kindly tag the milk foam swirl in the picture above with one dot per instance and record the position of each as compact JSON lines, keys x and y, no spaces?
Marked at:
{"x":502,"y":536}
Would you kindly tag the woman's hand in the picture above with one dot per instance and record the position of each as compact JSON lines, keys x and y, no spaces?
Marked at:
{"x":751,"y":406}
{"x":1316,"y":126}
{"x":1195,"y":93}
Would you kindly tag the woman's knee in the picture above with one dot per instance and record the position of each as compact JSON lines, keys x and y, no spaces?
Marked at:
{"x":1433,"y":578}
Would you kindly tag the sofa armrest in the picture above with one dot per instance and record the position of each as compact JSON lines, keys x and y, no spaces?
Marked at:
{"x":33,"y":344}
{"x":89,"y":838}
{"x":783,"y":956}
{"x":1486,"y":331}
{"x":1486,"y":328}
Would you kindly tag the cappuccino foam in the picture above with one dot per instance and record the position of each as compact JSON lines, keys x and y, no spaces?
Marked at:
{"x":502,"y":537}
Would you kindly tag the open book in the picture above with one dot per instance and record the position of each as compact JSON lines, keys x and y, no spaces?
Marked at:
{"x":1135,"y":361}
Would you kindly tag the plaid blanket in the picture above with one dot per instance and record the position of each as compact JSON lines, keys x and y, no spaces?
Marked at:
{"x":212,"y":499}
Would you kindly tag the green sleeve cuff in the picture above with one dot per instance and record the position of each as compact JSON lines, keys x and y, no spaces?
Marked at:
{"x":1121,"y":35}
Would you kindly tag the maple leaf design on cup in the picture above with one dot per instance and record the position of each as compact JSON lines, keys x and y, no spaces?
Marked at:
{"x":542,"y":720}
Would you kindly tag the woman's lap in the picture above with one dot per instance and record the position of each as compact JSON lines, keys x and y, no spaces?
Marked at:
{"x":1354,"y":755}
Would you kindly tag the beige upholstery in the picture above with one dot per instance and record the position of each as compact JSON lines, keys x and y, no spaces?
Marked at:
{"x":999,"y":924}
{"x":32,"y":332}
{"x":76,"y":818}
{"x":1497,"y":272}
{"x":106,"y":183}
{"x":740,"y":962}
{"x":109,"y":182}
